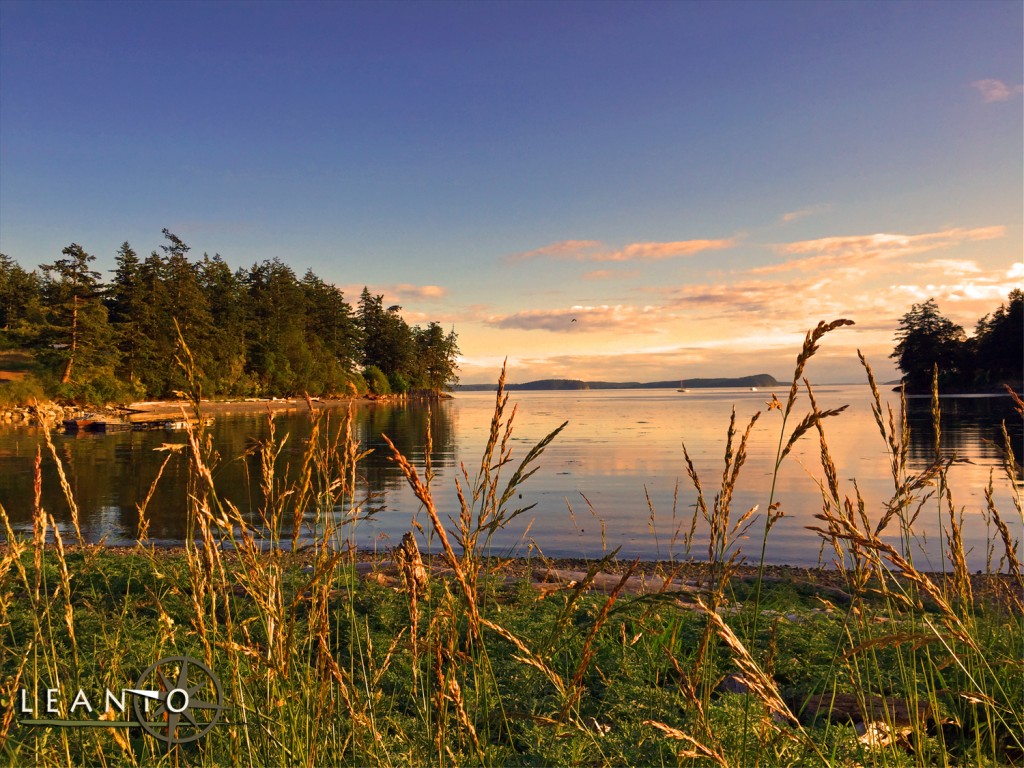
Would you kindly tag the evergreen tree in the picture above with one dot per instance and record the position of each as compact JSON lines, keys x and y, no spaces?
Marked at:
{"x":20,"y":303}
{"x":154,"y":351}
{"x":397,"y":345}
{"x":278,"y":357}
{"x":928,"y":339}
{"x":226,"y":300}
{"x":436,"y":357}
{"x":79,"y":335}
{"x":332,"y":335}
{"x":170,"y":297}
{"x":999,"y":344}
{"x":330,"y":318}
{"x":126,"y":309}
{"x":256,"y":331}
{"x":186,"y":303}
{"x":371,"y":318}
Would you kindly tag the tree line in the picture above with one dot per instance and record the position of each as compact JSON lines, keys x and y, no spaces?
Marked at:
{"x":260,"y":331}
{"x":988,"y":360}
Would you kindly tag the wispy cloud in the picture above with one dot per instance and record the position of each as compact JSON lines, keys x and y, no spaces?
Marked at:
{"x":396,"y":293}
{"x":593,"y":250}
{"x":976,"y":291}
{"x":842,"y":250}
{"x":997,"y":90}
{"x":410,"y":291}
{"x":564,"y":249}
{"x":609,"y":274}
{"x":581,"y":319}
{"x":757,"y":300}
{"x":658,"y":251}
{"x":805,"y":212}
{"x":948,"y":267}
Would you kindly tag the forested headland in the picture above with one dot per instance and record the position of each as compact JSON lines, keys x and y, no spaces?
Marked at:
{"x":260,"y":331}
{"x":988,"y":361}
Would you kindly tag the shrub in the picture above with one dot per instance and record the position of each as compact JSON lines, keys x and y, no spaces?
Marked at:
{"x":399,"y":384}
{"x":354,"y":384}
{"x":376,"y":380}
{"x":21,"y":391}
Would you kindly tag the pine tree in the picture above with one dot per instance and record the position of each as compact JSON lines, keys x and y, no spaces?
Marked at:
{"x":999,"y":344}
{"x":79,"y":334}
{"x":437,"y":353}
{"x":20,"y":303}
{"x":332,"y":335}
{"x":927,"y":340}
{"x":277,"y":356}
{"x":225,"y":297}
{"x":126,"y":309}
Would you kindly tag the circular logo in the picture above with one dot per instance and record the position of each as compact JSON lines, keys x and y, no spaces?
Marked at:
{"x":178,"y":700}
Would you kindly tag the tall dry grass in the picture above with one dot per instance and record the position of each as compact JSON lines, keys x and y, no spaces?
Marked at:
{"x":319,"y":667}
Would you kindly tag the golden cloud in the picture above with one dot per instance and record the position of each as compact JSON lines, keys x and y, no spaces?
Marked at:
{"x":580,"y":319}
{"x":609,"y":274}
{"x":564,"y":249}
{"x":804,"y":212}
{"x":841,"y":250}
{"x":593,"y":250}
{"x":658,"y":251}
{"x":410,"y":291}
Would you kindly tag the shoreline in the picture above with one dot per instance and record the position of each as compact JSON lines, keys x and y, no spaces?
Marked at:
{"x":153,"y":409}
{"x":143,"y":411}
{"x":824,"y":581}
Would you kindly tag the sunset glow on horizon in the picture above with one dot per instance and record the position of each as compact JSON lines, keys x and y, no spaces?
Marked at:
{"x":600,"y":191}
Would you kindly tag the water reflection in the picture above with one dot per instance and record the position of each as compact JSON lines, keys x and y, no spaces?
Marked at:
{"x":620,"y":450}
{"x":405,"y":424}
{"x":111,"y":475}
{"x":970,"y":427}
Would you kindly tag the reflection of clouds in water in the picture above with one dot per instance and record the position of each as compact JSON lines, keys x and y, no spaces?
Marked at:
{"x":617,"y":444}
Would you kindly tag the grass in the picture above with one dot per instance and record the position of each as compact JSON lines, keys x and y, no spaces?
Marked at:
{"x":456,"y":658}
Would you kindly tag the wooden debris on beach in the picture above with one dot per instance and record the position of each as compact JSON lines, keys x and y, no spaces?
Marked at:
{"x":853,"y":708}
{"x":410,"y":565}
{"x":606,"y":582}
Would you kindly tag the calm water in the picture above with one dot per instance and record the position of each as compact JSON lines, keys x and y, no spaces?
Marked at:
{"x":617,"y":445}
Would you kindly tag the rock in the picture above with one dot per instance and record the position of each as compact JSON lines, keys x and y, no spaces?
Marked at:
{"x":734,"y":684}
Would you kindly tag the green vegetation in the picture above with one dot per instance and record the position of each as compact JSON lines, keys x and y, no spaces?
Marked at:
{"x":466,"y":664}
{"x":260,"y":331}
{"x":991,"y":359}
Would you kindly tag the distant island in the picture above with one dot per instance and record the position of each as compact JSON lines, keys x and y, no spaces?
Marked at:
{"x":759,"y":380}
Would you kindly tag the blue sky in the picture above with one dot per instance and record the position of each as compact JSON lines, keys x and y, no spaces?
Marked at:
{"x":695,"y":183}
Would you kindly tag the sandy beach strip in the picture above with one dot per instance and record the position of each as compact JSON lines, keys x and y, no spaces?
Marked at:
{"x":154,"y":410}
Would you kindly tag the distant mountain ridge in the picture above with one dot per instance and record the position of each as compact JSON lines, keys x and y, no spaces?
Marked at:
{"x":758,"y":380}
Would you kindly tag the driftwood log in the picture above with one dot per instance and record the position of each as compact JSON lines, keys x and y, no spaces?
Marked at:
{"x":849,"y":707}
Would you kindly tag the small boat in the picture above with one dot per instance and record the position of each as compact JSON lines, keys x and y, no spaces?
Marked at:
{"x":79,"y":423}
{"x":110,"y":426}
{"x":181,"y":424}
